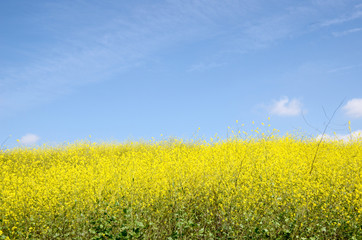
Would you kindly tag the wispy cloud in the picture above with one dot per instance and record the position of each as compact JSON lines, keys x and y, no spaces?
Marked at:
{"x":358,"y":5}
{"x":353,"y":108}
{"x":83,"y":42}
{"x":343,"y":68}
{"x":286,"y":107}
{"x":205,"y":66}
{"x":106,"y":45}
{"x":343,"y":19}
{"x":29,"y":139}
{"x":346,"y":32}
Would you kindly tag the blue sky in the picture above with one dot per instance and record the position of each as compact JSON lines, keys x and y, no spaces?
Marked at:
{"x":120,"y":70}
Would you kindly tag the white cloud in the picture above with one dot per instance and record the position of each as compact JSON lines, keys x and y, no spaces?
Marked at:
{"x":286,"y":107}
{"x":29,"y":139}
{"x":353,"y":107}
{"x":345,"y":138}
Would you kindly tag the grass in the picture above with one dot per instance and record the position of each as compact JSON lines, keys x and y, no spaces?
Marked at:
{"x":259,"y":187}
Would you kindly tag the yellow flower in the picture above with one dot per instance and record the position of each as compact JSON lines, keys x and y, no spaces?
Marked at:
{"x":216,"y":177}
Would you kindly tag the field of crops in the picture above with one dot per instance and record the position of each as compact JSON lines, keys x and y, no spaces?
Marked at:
{"x":242,"y":188}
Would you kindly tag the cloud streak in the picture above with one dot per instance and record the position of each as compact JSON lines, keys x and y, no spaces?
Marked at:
{"x":346,"y":32}
{"x":339,"y":20}
{"x":205,"y":66}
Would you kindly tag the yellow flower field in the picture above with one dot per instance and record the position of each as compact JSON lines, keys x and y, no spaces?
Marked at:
{"x":251,"y":188}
